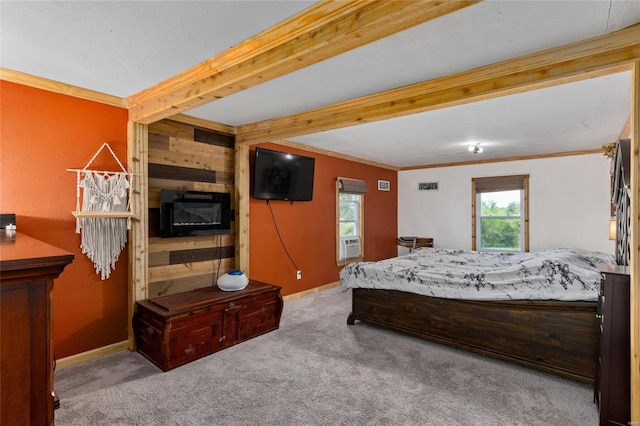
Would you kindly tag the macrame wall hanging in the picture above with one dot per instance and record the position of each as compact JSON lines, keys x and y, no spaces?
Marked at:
{"x":103,"y":213}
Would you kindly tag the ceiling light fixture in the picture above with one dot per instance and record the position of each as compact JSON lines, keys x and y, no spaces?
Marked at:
{"x":475,"y":148}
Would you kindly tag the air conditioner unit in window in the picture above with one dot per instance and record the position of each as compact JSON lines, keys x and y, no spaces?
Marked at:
{"x":350,"y":248}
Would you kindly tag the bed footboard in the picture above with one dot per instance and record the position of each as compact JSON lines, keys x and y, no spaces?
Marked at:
{"x":553,"y":336}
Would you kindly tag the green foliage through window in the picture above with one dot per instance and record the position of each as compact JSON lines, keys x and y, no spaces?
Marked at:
{"x":500,"y":234}
{"x":500,"y":220}
{"x":349,"y":214}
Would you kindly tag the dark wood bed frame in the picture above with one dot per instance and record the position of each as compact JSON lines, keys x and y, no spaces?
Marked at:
{"x":553,"y":336}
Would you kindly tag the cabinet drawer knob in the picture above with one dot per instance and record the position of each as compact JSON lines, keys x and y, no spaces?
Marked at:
{"x":151,"y":332}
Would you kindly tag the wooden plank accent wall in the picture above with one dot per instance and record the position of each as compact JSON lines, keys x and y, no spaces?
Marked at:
{"x":187,"y":157}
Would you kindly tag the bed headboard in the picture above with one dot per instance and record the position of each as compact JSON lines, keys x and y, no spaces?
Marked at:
{"x":621,"y":198}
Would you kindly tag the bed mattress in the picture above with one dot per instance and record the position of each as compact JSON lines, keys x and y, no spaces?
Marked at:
{"x":554,"y":274}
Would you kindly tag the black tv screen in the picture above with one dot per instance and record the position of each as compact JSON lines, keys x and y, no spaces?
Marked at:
{"x":282,"y":176}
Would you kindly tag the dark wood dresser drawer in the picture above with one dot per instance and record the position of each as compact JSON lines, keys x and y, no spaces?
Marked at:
{"x":176,"y":329}
{"x":613,"y":383}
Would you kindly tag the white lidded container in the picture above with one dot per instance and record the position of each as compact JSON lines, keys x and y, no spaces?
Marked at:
{"x":233,"y":281}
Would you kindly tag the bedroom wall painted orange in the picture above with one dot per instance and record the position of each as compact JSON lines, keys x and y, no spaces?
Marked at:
{"x":43,"y":134}
{"x":308,"y":228}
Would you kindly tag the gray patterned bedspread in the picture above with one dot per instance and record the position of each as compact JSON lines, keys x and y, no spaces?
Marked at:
{"x":556,"y":274}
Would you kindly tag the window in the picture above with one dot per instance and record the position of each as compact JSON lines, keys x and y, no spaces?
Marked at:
{"x":500,"y":213}
{"x":349,"y":214}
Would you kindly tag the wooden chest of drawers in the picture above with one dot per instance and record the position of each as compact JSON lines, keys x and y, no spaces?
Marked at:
{"x":179,"y":328}
{"x":28,"y":267}
{"x":613,"y":367}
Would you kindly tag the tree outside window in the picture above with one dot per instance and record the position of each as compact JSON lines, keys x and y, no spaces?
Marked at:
{"x":500,"y":220}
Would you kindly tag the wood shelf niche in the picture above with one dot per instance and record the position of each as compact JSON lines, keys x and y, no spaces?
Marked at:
{"x":103,"y":214}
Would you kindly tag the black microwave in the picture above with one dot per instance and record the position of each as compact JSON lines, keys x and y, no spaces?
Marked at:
{"x":192,"y":213}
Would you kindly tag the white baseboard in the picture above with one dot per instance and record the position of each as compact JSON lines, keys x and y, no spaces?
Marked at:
{"x":91,"y":355}
{"x":295,"y":296}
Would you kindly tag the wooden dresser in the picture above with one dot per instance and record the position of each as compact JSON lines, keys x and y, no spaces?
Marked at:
{"x":27,"y":270}
{"x":613,"y":384}
{"x":179,"y":328}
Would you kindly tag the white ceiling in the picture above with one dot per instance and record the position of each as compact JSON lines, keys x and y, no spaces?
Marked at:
{"x":121,"y":48}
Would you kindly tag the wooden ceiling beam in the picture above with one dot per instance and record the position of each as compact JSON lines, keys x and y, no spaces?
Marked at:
{"x":333,"y":154}
{"x":322,"y":31}
{"x":614,"y":52}
{"x":201,"y":122}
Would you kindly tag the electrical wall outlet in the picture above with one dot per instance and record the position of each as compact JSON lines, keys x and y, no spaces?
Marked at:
{"x":299,"y":275}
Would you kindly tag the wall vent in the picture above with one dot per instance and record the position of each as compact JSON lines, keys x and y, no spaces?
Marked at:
{"x":428,"y":186}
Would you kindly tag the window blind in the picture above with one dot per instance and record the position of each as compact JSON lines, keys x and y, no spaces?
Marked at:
{"x":352,"y":186}
{"x":500,"y":183}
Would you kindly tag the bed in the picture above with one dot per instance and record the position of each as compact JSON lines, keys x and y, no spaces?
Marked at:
{"x":535,"y":309}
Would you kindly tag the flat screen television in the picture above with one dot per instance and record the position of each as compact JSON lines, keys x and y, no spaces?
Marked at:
{"x":282,"y":176}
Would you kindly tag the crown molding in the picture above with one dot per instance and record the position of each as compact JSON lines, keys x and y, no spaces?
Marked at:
{"x":61,"y":88}
{"x":506,"y":159}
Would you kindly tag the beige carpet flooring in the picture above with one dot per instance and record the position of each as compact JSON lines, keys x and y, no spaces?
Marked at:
{"x":317,"y":370}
